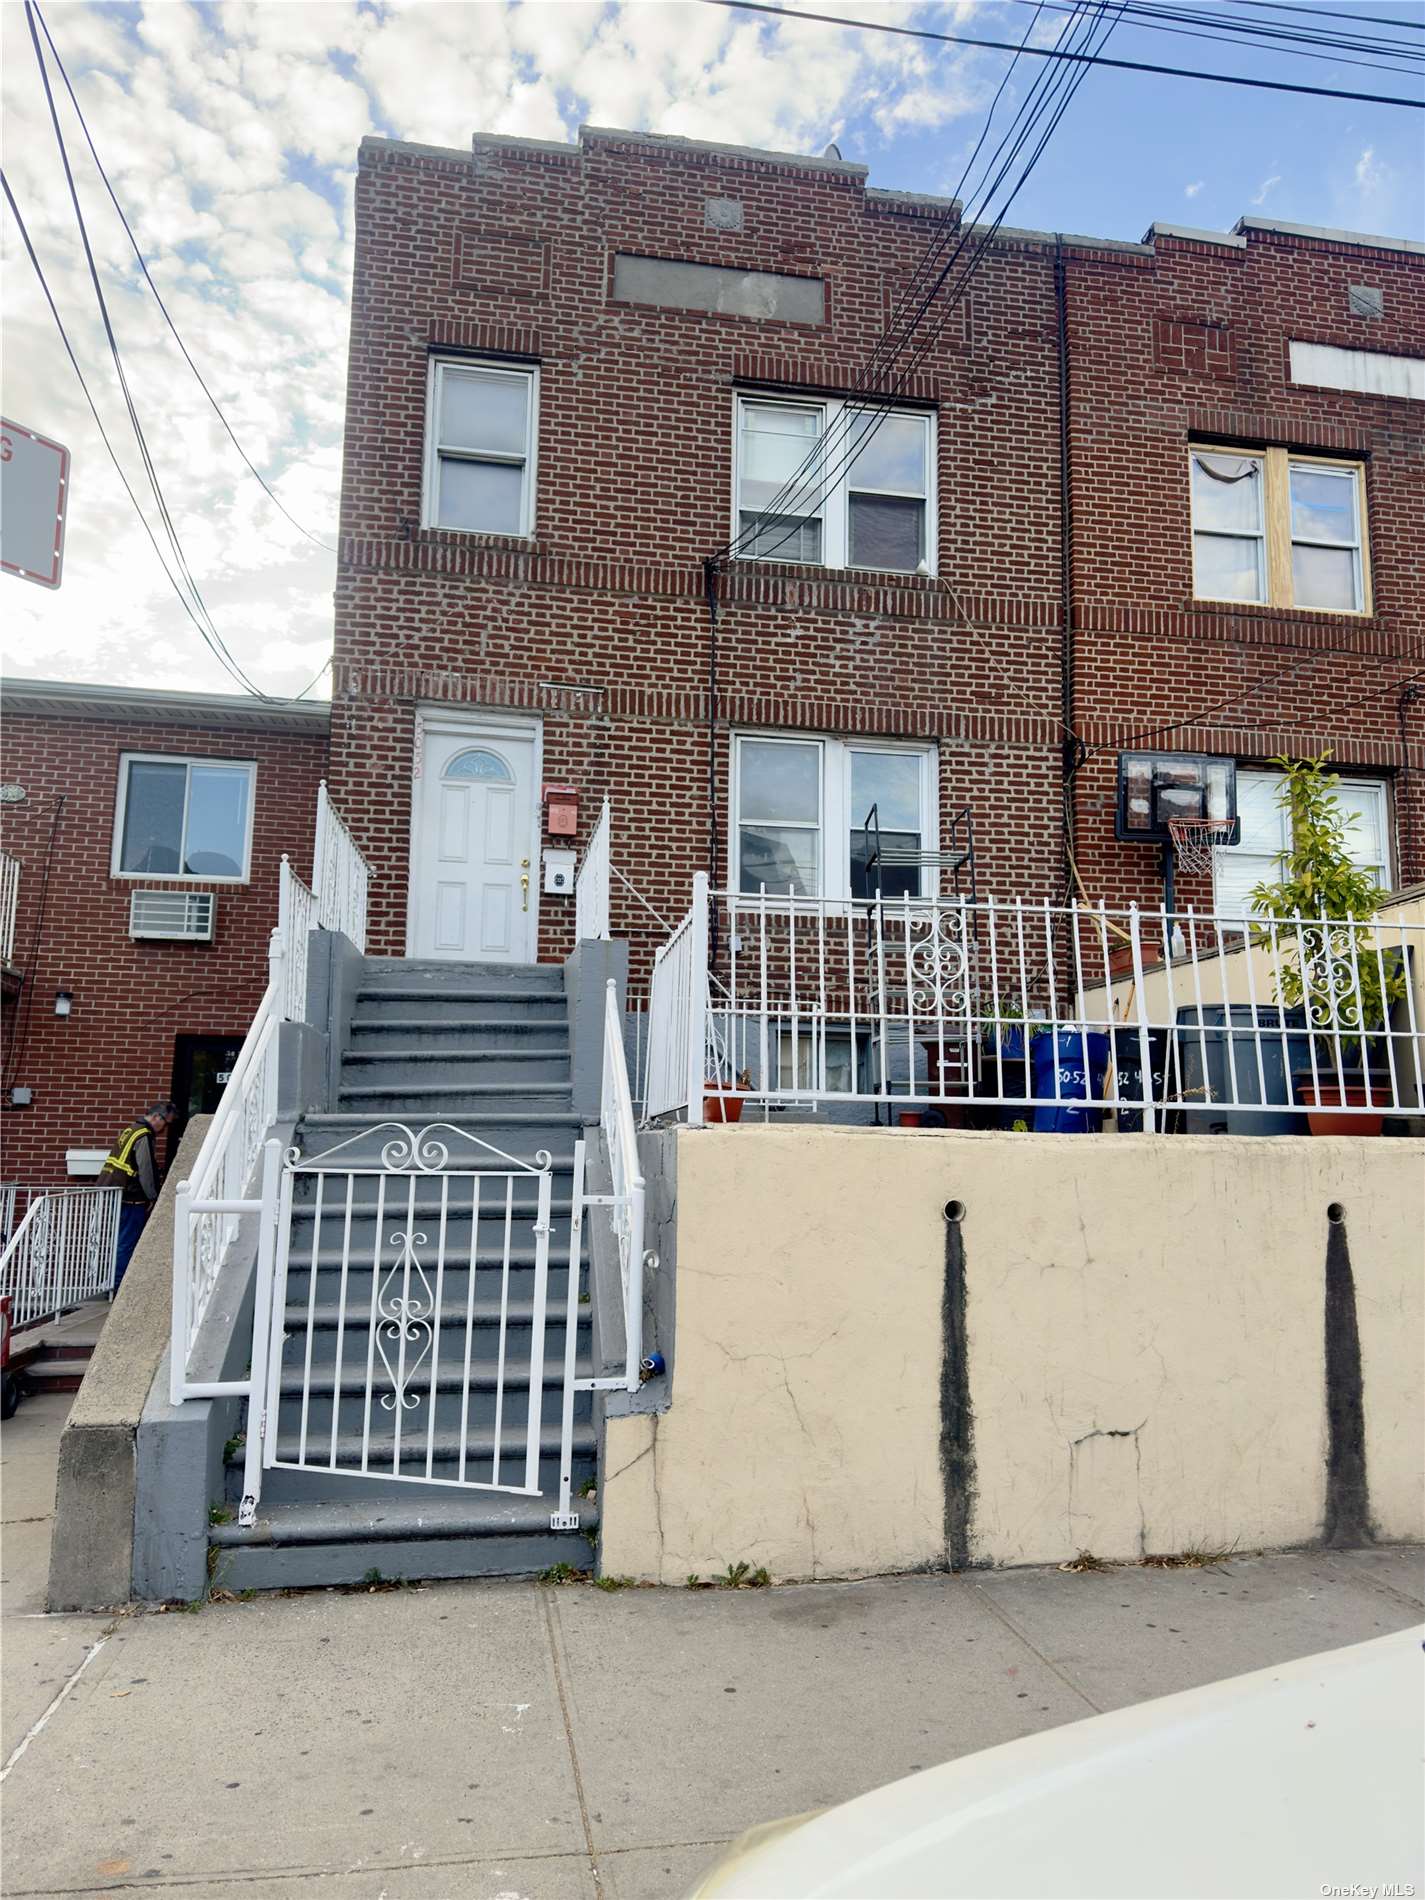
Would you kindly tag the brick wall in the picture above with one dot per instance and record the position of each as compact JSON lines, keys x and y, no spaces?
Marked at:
{"x":114,"y":1054}
{"x":511,"y":253}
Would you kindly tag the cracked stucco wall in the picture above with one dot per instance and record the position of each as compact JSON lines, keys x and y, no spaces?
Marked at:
{"x":1145,"y":1346}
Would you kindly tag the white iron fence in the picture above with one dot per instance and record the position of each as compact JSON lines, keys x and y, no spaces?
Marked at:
{"x":9,"y":902}
{"x":61,"y":1254}
{"x":341,"y":877}
{"x":938,"y":1005}
{"x":591,"y":887}
{"x":297,"y":918}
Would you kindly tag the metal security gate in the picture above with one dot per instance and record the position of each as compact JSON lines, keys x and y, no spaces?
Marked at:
{"x":408,"y":1304}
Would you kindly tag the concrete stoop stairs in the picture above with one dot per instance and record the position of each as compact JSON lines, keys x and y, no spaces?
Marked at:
{"x":485,"y":1046}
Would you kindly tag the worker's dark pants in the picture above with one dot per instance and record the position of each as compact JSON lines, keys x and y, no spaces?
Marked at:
{"x":132,"y":1216}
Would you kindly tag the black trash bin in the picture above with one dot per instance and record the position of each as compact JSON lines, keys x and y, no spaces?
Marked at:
{"x":1216,"y":1046}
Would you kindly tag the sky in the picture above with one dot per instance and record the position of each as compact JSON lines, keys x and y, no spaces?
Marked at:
{"x":229,"y":132}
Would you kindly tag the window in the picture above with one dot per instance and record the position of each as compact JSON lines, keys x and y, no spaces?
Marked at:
{"x":865,"y":499}
{"x":183,"y":818}
{"x":480,"y":440}
{"x":801,"y":807}
{"x":1265,"y":835}
{"x":1283,"y":530}
{"x":831,"y":1061}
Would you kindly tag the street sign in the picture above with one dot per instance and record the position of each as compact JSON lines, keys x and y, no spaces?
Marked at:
{"x":34,"y":488}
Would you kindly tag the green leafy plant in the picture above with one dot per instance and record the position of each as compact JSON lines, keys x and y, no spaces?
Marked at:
{"x":1329,"y":965}
{"x":615,"y":1583}
{"x":563,"y":1573}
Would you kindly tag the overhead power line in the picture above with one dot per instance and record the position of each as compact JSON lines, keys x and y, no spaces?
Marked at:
{"x":201,"y":616}
{"x":1298,"y":46}
{"x":158,"y":299}
{"x":1049,"y":96}
{"x":168,"y":575}
{"x":1055,"y":53}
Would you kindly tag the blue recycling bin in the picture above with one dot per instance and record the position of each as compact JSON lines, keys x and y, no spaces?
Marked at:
{"x":1082,"y":1063}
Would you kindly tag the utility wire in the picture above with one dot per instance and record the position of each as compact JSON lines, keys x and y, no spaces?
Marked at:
{"x":143,"y":266}
{"x":1063,"y":81}
{"x":1093,"y":59}
{"x":168,"y":575}
{"x":1332,"y":13}
{"x":1155,"y":20}
{"x":207,"y":626}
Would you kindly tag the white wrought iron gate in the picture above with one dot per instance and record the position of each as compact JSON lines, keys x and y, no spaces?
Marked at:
{"x":409,"y":1297}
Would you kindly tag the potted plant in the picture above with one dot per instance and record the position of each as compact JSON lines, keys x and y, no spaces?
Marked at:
{"x":1330,"y":967}
{"x":722,"y":1101}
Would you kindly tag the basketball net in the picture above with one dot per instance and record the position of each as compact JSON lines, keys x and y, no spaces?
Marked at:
{"x":1195,"y":840}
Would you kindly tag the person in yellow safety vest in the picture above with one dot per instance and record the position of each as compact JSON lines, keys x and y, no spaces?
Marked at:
{"x":131,"y":1167}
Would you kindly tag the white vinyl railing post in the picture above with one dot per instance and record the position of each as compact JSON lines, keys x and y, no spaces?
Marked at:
{"x":262,"y":1323}
{"x":1140,"y":1006}
{"x":697,"y":1000}
{"x":178,"y":1323}
{"x":592,"y":885}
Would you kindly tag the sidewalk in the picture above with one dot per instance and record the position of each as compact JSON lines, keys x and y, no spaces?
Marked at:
{"x":509,"y":1739}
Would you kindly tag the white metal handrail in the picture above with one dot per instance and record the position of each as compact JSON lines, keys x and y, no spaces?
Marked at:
{"x":677,"y":1015}
{"x":341,"y":877}
{"x":9,"y":903}
{"x":627,"y":1189}
{"x":591,"y":886}
{"x":62,"y":1253}
{"x":919,"y":1002}
{"x":297,"y":918}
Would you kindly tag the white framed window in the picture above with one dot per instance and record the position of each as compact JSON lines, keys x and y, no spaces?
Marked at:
{"x":831,"y":1062}
{"x":1265,"y":834}
{"x":1279,"y":529}
{"x":865,"y":499}
{"x":481,"y":430}
{"x":801,"y":806}
{"x":183,"y":818}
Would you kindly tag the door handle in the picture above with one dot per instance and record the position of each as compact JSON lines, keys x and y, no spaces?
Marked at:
{"x":524,"y":886}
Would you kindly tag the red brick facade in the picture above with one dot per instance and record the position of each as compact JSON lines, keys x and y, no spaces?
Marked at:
{"x":597,"y":622}
{"x":115,"y":1052}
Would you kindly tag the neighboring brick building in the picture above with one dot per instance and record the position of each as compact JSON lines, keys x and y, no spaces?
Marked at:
{"x":615,"y":333}
{"x":108,"y":791}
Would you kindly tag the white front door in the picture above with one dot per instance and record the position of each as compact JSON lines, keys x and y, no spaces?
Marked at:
{"x":473,"y":897}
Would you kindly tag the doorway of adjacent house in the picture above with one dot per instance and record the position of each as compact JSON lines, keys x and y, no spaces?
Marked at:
{"x":473,"y":895}
{"x":201,"y":1068}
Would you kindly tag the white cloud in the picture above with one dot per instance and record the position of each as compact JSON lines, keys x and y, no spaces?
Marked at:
{"x":230,"y":134}
{"x":1191,"y":191}
{"x":1259,"y":196}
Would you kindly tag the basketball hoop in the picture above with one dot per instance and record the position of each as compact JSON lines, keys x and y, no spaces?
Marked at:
{"x":1195,"y":840}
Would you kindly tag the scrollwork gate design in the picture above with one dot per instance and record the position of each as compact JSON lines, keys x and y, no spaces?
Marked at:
{"x":409,"y":1311}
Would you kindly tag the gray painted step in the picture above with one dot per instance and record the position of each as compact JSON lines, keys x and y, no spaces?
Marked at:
{"x":409,"y":972}
{"x":479,"y":1446}
{"x":514,"y":1068}
{"x":389,"y":1515}
{"x":470,"y":1034}
{"x":486,"y":1312}
{"x":324,"y":1566}
{"x":290,"y":1484}
{"x":486,"y":1108}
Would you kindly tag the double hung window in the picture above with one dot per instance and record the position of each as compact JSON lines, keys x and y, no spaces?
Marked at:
{"x":830,"y":484}
{"x":480,"y":448}
{"x":1265,"y":835}
{"x":802,"y":804}
{"x":183,"y":818}
{"x":1282,"y":530}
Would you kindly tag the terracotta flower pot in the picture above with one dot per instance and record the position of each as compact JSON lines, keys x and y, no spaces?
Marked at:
{"x":909,"y":1118}
{"x":721,"y":1105}
{"x":1322,"y":1098}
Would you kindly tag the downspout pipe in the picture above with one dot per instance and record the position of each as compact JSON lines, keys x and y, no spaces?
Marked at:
{"x":712,"y":568}
{"x":1072,"y":749}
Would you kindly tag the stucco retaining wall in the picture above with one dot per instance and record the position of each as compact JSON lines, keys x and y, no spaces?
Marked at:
{"x":1119,"y":1346}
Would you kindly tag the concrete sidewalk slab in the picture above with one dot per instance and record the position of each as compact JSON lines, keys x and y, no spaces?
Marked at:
{"x":1124,"y":1634}
{"x":698,"y":1713}
{"x":41,"y":1653}
{"x":317,"y":1733}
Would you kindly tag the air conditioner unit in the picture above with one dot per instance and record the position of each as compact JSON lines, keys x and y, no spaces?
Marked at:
{"x":173,"y":916}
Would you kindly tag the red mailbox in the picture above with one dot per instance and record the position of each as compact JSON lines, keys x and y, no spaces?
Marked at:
{"x":561,"y":810}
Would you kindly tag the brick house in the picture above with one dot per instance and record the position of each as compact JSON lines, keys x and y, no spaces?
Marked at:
{"x":146,"y":829}
{"x":575,"y":369}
